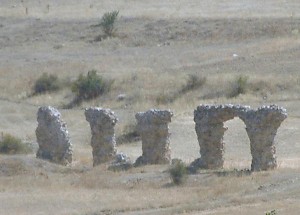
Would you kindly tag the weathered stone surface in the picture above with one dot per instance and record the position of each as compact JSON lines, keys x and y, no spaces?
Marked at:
{"x":154,"y":130}
{"x":103,"y":142}
{"x":261,"y":126}
{"x":210,"y":130}
{"x":52,"y":137}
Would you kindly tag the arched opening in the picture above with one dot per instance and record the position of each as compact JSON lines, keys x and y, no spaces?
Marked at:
{"x":237,"y":154}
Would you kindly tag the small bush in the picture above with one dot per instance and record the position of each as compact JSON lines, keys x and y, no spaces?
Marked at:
{"x":193,"y":82}
{"x":165,"y":98}
{"x":108,"y":23}
{"x":90,"y":86}
{"x":129,"y":135}
{"x":239,"y":86}
{"x":13,"y":145}
{"x":273,"y":212}
{"x":46,"y":83}
{"x":178,"y":172}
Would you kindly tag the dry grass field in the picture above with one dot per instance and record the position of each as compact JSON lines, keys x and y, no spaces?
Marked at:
{"x":158,"y":45}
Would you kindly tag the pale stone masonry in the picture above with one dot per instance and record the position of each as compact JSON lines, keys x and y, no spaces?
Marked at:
{"x":102,"y":123}
{"x":261,"y":127}
{"x":153,"y":127}
{"x":53,"y":137}
{"x":154,"y":130}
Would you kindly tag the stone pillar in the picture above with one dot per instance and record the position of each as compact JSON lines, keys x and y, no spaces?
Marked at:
{"x":261,"y":126}
{"x":52,"y":137}
{"x":154,"y":130}
{"x":102,"y":123}
{"x":210,"y":129}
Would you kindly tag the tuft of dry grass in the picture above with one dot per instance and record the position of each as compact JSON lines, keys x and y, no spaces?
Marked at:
{"x":10,"y":144}
{"x":145,"y":91}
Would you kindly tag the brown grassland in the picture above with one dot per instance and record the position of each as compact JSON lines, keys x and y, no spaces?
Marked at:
{"x":159,"y":49}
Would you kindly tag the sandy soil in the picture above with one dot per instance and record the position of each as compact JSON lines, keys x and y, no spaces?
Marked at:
{"x":156,"y":39}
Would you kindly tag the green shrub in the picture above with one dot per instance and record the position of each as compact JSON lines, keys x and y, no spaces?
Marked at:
{"x":273,"y":212}
{"x":90,"y":86}
{"x":239,"y":86}
{"x":129,"y":134}
{"x":165,"y":97}
{"x":46,"y":83}
{"x":108,"y":23}
{"x":193,"y":82}
{"x":178,"y":172}
{"x":13,"y":145}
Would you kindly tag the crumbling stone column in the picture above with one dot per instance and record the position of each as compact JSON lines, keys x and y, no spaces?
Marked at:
{"x":52,"y":137}
{"x":103,"y":142}
{"x":261,"y":126}
{"x":210,"y":129}
{"x":154,"y":130}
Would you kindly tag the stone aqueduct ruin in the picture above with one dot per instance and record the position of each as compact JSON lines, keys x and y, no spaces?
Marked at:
{"x":261,"y":126}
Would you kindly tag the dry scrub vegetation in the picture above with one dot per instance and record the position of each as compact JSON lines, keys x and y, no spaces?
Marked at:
{"x":143,"y":91}
{"x":160,"y":54}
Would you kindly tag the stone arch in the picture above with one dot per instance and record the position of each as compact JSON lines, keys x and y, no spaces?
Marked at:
{"x":261,"y":127}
